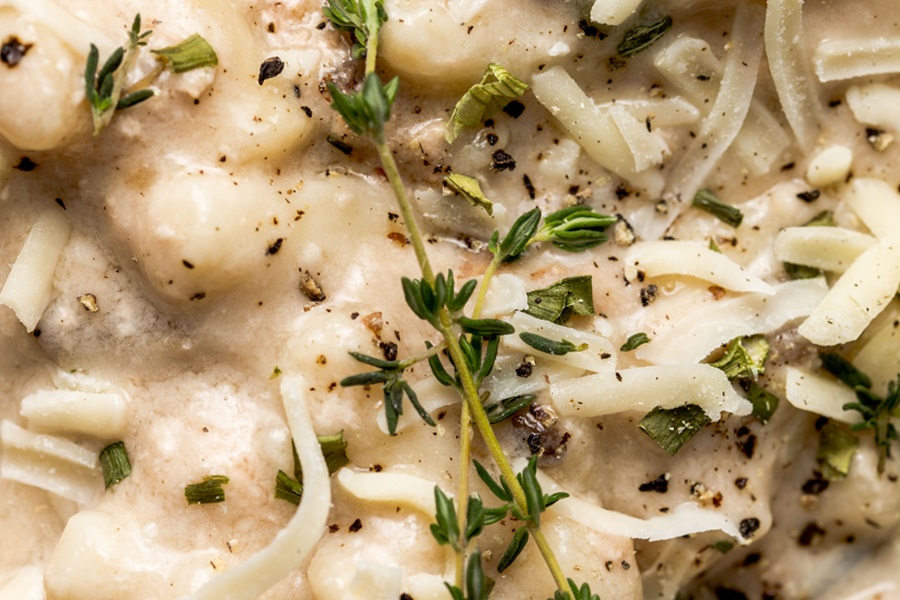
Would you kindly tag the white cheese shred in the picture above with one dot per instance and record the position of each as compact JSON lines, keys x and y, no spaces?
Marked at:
{"x":791,"y":69}
{"x":860,"y":294}
{"x":728,"y":113}
{"x":828,"y":248}
{"x":876,"y":203}
{"x":875,"y":104}
{"x":29,"y":287}
{"x":292,"y":544}
{"x":643,"y":388}
{"x":684,"y":257}
{"x":693,"y":336}
{"x":685,"y":519}
{"x":50,"y":463}
{"x":849,"y":58}
{"x":102,"y":415}
{"x":388,"y":486}
{"x":820,"y":395}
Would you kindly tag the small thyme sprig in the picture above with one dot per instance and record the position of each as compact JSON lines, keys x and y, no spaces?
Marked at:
{"x":876,"y":411}
{"x":104,"y":88}
{"x":363,"y":19}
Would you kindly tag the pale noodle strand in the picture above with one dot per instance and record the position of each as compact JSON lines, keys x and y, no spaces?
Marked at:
{"x":791,"y":69}
{"x":293,"y":543}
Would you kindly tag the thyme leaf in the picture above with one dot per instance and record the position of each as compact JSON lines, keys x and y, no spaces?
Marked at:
{"x":634,"y":341}
{"x":470,"y":189}
{"x":362,"y":18}
{"x":574,"y":229}
{"x":366,"y":111}
{"x":671,"y":428}
{"x":641,"y":37}
{"x":548,"y":346}
{"x":558,"y":302}
{"x":496,"y":89}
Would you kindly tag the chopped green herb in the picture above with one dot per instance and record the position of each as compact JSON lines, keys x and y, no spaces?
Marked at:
{"x":708,"y":201}
{"x":192,"y":53}
{"x":207,"y":491}
{"x":548,"y":346}
{"x":671,"y":428}
{"x":288,"y":488}
{"x":574,"y":229}
{"x":497,"y":87}
{"x":876,"y":413}
{"x":823,"y":219}
{"x":470,"y":189}
{"x":333,"y":449}
{"x":513,"y":549}
{"x":764,"y":402}
{"x":744,"y":357}
{"x":844,"y":370}
{"x":499,"y":411}
{"x":634,"y":341}
{"x":362,"y":18}
{"x":115,"y":463}
{"x":641,"y":37}
{"x":836,"y":450}
{"x":723,"y":546}
{"x":558,"y":302}
{"x":275,"y":373}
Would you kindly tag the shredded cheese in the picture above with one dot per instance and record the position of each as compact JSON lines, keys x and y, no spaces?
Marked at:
{"x":643,"y":388}
{"x":683,"y":257}
{"x":849,"y":58}
{"x":101,"y":415}
{"x":29,"y":287}
{"x":820,"y":395}
{"x":828,"y":248}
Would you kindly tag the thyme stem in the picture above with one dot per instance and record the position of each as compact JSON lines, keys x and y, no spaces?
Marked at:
{"x":393,"y":174}
{"x":374,"y":25}
{"x":483,"y":288}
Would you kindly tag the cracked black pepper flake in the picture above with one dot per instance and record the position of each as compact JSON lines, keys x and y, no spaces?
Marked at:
{"x":529,"y":186}
{"x":492,"y":139}
{"x":271,"y":67}
{"x":660,"y":485}
{"x":26,"y":165}
{"x":525,"y":369}
{"x":355,"y":526}
{"x":61,"y":204}
{"x":334,"y":528}
{"x":198,"y":296}
{"x":389,"y":350}
{"x":815,"y":486}
{"x":274,"y":247}
{"x":501,"y":161}
{"x":740,"y":483}
{"x":648,"y":294}
{"x":747,"y":446}
{"x":188,"y":265}
{"x":307,"y":110}
{"x":748,"y":526}
{"x":405,"y":596}
{"x":810,"y":535}
{"x":810,"y":195}
{"x":13,"y":51}
{"x":514,"y":109}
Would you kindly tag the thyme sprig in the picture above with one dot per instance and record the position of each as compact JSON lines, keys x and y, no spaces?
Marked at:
{"x":363,"y":19}
{"x":104,"y":88}
{"x":469,"y":341}
{"x":876,"y":411}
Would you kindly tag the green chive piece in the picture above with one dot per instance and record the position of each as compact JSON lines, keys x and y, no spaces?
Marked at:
{"x":548,"y":346}
{"x":192,"y":53}
{"x":115,"y":463}
{"x":634,"y":341}
{"x":708,"y":201}
{"x":207,"y":491}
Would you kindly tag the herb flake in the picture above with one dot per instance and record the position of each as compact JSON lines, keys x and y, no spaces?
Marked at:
{"x":470,"y":189}
{"x":671,"y":428}
{"x":706,"y":200}
{"x":558,"y":302}
{"x":208,"y":491}
{"x":634,"y":341}
{"x":115,"y":464}
{"x":189,"y":54}
{"x":641,"y":37}
{"x":497,"y":87}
